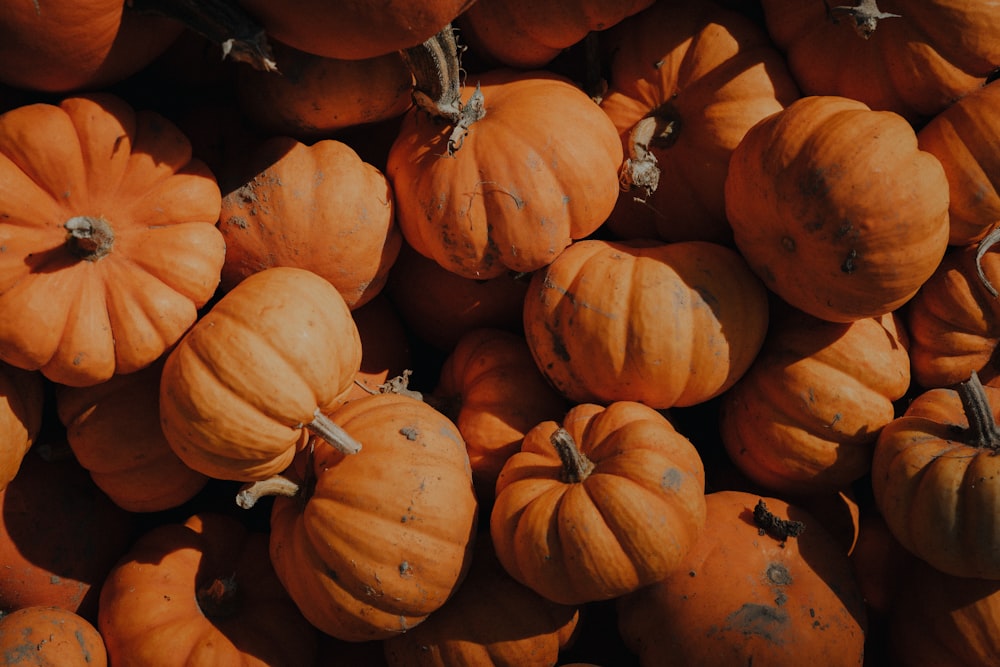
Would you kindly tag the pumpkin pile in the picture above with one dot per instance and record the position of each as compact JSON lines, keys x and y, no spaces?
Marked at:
{"x":498,"y":332}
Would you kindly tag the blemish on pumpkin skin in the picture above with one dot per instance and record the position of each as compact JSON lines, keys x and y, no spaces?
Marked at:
{"x":758,"y":620}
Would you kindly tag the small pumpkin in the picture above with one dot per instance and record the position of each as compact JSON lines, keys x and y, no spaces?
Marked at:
{"x":836,"y":208}
{"x":599,"y":505}
{"x":110,"y":237}
{"x":201,"y":593}
{"x":22,"y":405}
{"x":50,"y":637}
{"x":240,"y":391}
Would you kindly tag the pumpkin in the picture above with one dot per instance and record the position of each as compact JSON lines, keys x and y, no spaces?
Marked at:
{"x":530,"y":35}
{"x":385,"y":347}
{"x":686,"y":81}
{"x":22,"y":402}
{"x":69,"y":46}
{"x":665,"y":324}
{"x":764,"y":584}
{"x":965,"y":138}
{"x":935,"y":474}
{"x":518,"y":186}
{"x":599,"y":505}
{"x":201,"y":593}
{"x":913,"y":59}
{"x":113,"y":429}
{"x":110,"y":237}
{"x":59,"y":536}
{"x":240,"y":392}
{"x":491,"y":388}
{"x":490,"y":620}
{"x":370,"y":544}
{"x":805,"y":416}
{"x":356,"y":29}
{"x":314,"y":97}
{"x":50,"y":637}
{"x":879,"y":562}
{"x":836,"y":208}
{"x":954,"y":319}
{"x":315,"y":206}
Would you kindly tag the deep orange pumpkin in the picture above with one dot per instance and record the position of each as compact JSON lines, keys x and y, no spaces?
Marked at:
{"x":110,"y":237}
{"x":22,"y":405}
{"x":50,"y":637}
{"x":836,"y":208}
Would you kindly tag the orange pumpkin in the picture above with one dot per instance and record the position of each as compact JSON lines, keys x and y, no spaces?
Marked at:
{"x":240,"y":391}
{"x":315,"y":206}
{"x":805,"y":416}
{"x":607,"y":502}
{"x":110,"y":237}
{"x":50,"y":637}
{"x":521,"y":186}
{"x":751,"y":591}
{"x":686,"y":81}
{"x":666,"y":324}
{"x":201,"y":593}
{"x":370,"y":544}
{"x":836,"y":208}
{"x":385,"y":347}
{"x":22,"y":401}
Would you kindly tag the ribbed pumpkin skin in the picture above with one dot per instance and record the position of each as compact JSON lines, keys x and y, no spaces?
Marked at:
{"x":965,"y":137}
{"x":94,"y":157}
{"x":386,"y":534}
{"x":804,"y":418}
{"x":238,"y":390}
{"x":522,"y":185}
{"x":657,"y":323}
{"x":953,"y":44}
{"x":835,"y":207}
{"x":936,"y":490}
{"x":629,"y":523}
{"x":50,"y":637}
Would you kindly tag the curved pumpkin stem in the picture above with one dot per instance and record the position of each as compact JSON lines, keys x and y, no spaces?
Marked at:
{"x":438,"y":85}
{"x":865,"y":15}
{"x":277,"y":485}
{"x":89,"y":238}
{"x":983,"y":429}
{"x":658,"y":129}
{"x":575,"y":466}
{"x":985,"y":244}
{"x":325,"y":428}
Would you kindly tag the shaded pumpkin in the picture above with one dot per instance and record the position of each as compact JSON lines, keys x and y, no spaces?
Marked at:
{"x":110,"y":237}
{"x":241,"y":391}
{"x":836,"y":208}
{"x":50,"y":637}
{"x":665,"y":324}
{"x":22,"y":405}
{"x":604,"y":502}
{"x":385,"y":347}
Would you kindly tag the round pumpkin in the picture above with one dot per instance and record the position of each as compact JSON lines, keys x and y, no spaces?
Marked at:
{"x":764,"y":584}
{"x":201,"y":593}
{"x":110,"y":237}
{"x":935,"y":475}
{"x":240,"y":392}
{"x":805,"y":416}
{"x":50,"y":637}
{"x":836,"y":208}
{"x":686,"y":81}
{"x":599,"y":505}
{"x":665,"y":324}
{"x":22,"y":405}
{"x":315,"y":206}
{"x":519,"y":188}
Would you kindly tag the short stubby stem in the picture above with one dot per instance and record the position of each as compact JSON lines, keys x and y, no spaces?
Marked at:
{"x":89,"y":238}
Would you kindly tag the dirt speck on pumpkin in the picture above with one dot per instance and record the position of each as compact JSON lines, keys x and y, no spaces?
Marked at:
{"x":409,"y":433}
{"x":758,"y":620}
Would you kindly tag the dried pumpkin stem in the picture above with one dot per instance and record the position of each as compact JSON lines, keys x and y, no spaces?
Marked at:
{"x":773,"y":525}
{"x":985,"y":244}
{"x":325,"y":428}
{"x":575,"y":466}
{"x":437,"y":86}
{"x":865,"y":15}
{"x":277,"y":485}
{"x":220,"y":599}
{"x":89,"y":238}
{"x":659,"y":129}
{"x":983,"y":429}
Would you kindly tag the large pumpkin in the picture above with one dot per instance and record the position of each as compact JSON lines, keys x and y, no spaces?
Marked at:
{"x":598,"y":505}
{"x":836,"y":208}
{"x":108,"y":225}
{"x":686,"y":81}
{"x":263,"y":366}
{"x":666,"y":324}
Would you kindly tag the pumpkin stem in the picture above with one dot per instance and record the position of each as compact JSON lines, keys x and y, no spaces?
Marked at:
{"x":220,"y":599}
{"x":985,"y":244}
{"x":222,"y":22}
{"x":983,"y":429}
{"x":89,"y":238}
{"x":325,"y":428}
{"x":865,"y":15}
{"x":575,"y":466}
{"x":658,"y":129}
{"x":277,"y":485}
{"x":438,"y":85}
{"x":772,"y":525}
